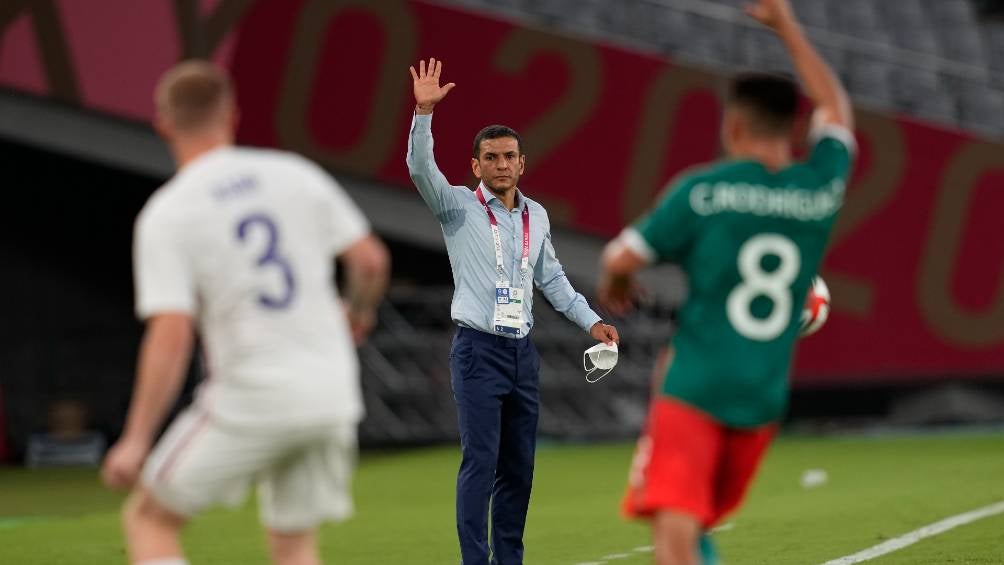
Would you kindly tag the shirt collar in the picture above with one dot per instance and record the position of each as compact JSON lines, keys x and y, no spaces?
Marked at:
{"x":489,"y":196}
{"x":205,"y":157}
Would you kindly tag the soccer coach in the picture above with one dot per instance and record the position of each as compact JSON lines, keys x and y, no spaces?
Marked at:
{"x":499,"y":243}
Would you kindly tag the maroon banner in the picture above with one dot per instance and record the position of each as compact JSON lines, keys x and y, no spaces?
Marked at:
{"x":916,"y":261}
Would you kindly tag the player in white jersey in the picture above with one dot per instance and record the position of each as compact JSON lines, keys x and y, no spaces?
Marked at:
{"x":241,"y":242}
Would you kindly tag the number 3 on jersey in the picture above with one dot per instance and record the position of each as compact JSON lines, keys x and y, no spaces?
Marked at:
{"x":775,"y":285}
{"x":270,"y":258}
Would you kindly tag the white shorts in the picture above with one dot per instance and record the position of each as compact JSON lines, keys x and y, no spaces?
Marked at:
{"x":304,"y":474}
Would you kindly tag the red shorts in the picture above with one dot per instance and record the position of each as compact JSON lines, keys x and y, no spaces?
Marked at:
{"x":688,"y":462}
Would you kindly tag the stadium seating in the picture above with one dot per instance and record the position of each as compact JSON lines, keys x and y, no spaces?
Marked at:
{"x":933,"y":59}
{"x":406,"y":376}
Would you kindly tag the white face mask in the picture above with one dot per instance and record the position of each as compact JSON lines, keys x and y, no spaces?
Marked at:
{"x":603,"y":358}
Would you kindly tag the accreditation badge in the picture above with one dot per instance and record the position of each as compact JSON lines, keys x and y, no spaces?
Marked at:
{"x":508,"y":309}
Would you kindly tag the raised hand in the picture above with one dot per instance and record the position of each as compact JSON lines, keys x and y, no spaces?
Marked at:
{"x":425,"y":82}
{"x":772,"y":13}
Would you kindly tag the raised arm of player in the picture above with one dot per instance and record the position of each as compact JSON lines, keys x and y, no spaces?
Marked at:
{"x":832,"y":103}
{"x":367,"y":268}
{"x":163,"y":359}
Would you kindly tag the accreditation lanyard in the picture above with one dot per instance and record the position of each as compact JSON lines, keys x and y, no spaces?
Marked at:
{"x":525,"y":260}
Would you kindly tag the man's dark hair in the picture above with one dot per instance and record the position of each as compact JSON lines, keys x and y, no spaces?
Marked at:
{"x":771,"y":101}
{"x":496,"y":132}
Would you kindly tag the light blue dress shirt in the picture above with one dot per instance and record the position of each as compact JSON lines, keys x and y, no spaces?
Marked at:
{"x":472,"y":251}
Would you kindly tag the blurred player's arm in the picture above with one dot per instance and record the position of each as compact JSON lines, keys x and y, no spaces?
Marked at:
{"x":832,"y":103}
{"x":664,"y":234}
{"x":432,"y":185}
{"x":163,"y":362}
{"x":618,"y":288}
{"x":165,"y":299}
{"x":363,"y":256}
{"x":367,"y":270}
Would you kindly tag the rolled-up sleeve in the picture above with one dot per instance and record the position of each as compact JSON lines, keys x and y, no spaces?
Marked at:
{"x":437,"y":192}
{"x":554,"y":285}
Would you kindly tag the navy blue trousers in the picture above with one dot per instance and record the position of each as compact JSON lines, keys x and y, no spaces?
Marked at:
{"x":495,"y":385}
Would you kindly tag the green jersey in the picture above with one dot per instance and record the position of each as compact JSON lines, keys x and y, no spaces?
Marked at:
{"x":750,"y":241}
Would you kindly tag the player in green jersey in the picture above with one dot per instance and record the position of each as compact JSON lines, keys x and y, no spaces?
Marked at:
{"x":750,"y":232}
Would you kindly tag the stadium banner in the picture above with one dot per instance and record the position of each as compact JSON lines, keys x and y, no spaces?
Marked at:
{"x":916,"y":261}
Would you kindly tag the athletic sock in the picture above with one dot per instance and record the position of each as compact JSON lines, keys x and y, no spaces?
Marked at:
{"x":164,"y":561}
{"x":709,"y":555}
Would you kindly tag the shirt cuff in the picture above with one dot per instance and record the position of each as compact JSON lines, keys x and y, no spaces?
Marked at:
{"x":834,"y":131}
{"x":148,"y":310}
{"x":589,"y":320}
{"x":633,"y":240}
{"x":421,"y":122}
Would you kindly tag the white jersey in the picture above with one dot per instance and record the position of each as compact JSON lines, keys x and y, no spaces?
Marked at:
{"x":245,"y":240}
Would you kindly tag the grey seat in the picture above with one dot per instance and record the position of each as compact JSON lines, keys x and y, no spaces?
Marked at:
{"x":920,"y":39}
{"x":813,"y":13}
{"x":938,"y":106}
{"x":910,"y":85}
{"x":710,"y":41}
{"x":870,"y":79}
{"x":761,"y":50}
{"x":857,"y":18}
{"x":963,"y":44}
{"x":923,"y":93}
{"x":586,"y":14}
{"x":672,"y":28}
{"x":551,"y":9}
{"x":655,"y":24}
{"x":982,"y":110}
{"x":993,"y":41}
{"x":951,"y":13}
{"x":908,"y":25}
{"x":902,"y":13}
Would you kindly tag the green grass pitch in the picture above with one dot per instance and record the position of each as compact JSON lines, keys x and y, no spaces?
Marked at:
{"x":878,"y":488}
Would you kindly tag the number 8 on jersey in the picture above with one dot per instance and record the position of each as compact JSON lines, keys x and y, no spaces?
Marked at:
{"x":775,"y":285}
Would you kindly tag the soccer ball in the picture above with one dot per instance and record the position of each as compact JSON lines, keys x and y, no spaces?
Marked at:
{"x":816,"y":309}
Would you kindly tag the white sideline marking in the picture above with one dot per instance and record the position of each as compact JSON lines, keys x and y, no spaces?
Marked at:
{"x":913,"y":537}
{"x":639,"y":549}
{"x":613,"y":556}
{"x":646,"y":549}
